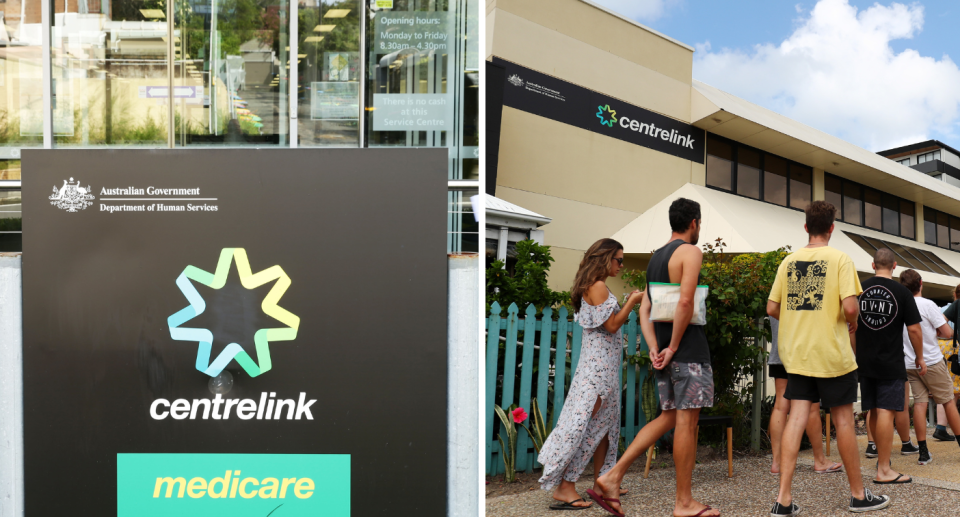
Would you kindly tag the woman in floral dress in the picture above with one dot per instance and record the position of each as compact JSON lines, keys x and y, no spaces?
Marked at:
{"x":589,"y":424}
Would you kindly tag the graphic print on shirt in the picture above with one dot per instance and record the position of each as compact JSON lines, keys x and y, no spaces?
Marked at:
{"x":878,"y":307}
{"x":806,"y":285}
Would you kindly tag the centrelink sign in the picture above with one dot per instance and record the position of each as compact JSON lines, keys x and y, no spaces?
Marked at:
{"x":556,"y":99}
{"x":228,"y":355}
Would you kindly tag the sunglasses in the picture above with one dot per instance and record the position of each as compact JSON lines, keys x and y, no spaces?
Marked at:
{"x":619,"y":260}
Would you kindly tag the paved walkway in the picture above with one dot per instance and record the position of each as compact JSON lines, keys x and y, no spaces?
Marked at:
{"x":943,"y":472}
{"x":751,"y":492}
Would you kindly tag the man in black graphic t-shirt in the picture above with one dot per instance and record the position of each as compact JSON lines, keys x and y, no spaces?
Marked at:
{"x":885,"y":307}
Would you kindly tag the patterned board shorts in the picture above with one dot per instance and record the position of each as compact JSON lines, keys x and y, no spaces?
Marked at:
{"x":685,"y":386}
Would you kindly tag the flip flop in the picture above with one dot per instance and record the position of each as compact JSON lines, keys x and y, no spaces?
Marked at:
{"x":894,"y":481}
{"x":836,"y":467}
{"x":707,"y":509}
{"x":569,"y":505}
{"x":602,"y":501}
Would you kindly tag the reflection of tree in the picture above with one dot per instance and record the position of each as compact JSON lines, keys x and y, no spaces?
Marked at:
{"x":345,"y":37}
{"x":129,"y":10}
{"x":238,"y":21}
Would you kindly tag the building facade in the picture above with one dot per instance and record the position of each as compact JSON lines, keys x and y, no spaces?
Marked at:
{"x":242,"y":73}
{"x":602,"y":125}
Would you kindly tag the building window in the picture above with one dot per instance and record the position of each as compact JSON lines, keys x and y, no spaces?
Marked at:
{"x":940,"y":229}
{"x":905,"y":161}
{"x":751,"y":173}
{"x":719,"y":164}
{"x":926,"y":157}
{"x":863,"y":206}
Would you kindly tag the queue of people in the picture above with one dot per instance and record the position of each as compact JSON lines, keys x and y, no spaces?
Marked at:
{"x":833,"y":338}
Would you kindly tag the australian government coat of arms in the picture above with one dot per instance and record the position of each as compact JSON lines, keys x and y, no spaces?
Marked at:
{"x":71,"y":197}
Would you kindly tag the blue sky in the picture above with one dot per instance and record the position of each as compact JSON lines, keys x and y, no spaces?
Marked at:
{"x":876,"y":73}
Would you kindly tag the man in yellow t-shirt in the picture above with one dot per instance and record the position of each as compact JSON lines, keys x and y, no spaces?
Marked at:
{"x":815,"y":299}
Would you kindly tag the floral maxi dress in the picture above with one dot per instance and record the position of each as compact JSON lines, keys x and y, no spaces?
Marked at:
{"x":572,"y":443}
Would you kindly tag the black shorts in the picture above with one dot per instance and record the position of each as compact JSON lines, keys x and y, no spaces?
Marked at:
{"x":777,"y":371}
{"x":829,"y":392}
{"x":881,"y":393}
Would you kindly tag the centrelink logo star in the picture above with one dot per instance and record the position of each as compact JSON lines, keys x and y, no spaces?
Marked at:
{"x":204,"y":337}
{"x":610,"y":113}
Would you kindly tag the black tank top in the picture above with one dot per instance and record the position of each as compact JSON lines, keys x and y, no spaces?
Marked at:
{"x":693,"y":346}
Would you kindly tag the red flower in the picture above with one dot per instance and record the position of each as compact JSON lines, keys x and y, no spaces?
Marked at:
{"x":519,"y":415}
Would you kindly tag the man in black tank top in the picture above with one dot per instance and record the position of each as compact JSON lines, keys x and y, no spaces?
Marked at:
{"x":681,"y":359}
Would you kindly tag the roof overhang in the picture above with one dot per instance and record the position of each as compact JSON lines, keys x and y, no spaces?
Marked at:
{"x":506,"y":214}
{"x":750,"y":226}
{"x":729,"y":116}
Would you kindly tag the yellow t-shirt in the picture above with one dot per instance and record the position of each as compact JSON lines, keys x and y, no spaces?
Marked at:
{"x":813,"y":338}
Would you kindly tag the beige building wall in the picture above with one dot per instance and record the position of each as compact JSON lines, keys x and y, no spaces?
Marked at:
{"x":590,"y":185}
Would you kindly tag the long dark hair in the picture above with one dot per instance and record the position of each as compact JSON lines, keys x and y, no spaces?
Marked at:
{"x":594,"y":266}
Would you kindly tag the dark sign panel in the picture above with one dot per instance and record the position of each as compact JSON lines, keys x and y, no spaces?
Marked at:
{"x":556,"y":99}
{"x":235,"y":332}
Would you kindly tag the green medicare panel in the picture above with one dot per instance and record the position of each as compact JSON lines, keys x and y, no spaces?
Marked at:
{"x":235,"y":332}
{"x":159,"y":485}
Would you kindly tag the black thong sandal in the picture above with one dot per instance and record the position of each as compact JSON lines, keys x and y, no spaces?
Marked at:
{"x":569,"y":505}
{"x":894,"y":481}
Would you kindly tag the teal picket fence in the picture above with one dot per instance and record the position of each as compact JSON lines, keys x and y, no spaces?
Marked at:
{"x":540,"y":365}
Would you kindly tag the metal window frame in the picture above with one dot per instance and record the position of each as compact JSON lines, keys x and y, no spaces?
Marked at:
{"x":845,"y":183}
{"x":735,"y":146}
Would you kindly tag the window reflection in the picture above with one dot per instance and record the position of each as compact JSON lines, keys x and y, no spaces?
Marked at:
{"x":748,"y":173}
{"x":21,"y":102}
{"x":852,"y":204}
{"x":801,"y":186}
{"x":109,"y":65}
{"x":891,"y":214}
{"x":907,"y":227}
{"x":929,"y":226}
{"x":833,"y":193}
{"x":775,"y":180}
{"x":719,"y":164}
{"x":329,"y":63}
{"x":232,"y":71}
{"x":943,"y":230}
{"x":872,"y":213}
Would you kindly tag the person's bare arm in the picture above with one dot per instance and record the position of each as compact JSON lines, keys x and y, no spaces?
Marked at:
{"x":773,"y":309}
{"x":944,"y":331}
{"x":916,"y":339}
{"x":646,"y":327}
{"x":691,"y":261}
{"x":851,"y":311}
{"x":598,"y":293}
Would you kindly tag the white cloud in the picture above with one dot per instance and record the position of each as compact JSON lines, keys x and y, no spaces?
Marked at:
{"x":838,"y":73}
{"x":640,"y":10}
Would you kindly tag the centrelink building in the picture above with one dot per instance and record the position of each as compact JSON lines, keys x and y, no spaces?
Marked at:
{"x":601,"y":125}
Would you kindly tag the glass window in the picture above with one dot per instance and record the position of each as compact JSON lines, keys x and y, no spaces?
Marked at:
{"x":891,"y":214}
{"x":907,"y":212}
{"x":232,"y":72}
{"x":109,"y":67}
{"x":748,"y":172}
{"x":775,"y":179}
{"x":852,"y":203}
{"x":929,"y":226}
{"x":10,"y":220}
{"x":463,"y":230}
{"x":833,"y":193}
{"x":905,"y":161}
{"x":719,"y":164}
{"x":411,"y":84}
{"x":943,"y":232}
{"x":801,"y":186}
{"x":955,"y":234}
{"x":21,"y":83}
{"x":328,"y":57}
{"x":872,"y":215}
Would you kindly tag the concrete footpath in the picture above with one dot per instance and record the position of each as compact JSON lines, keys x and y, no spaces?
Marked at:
{"x":752,"y":491}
